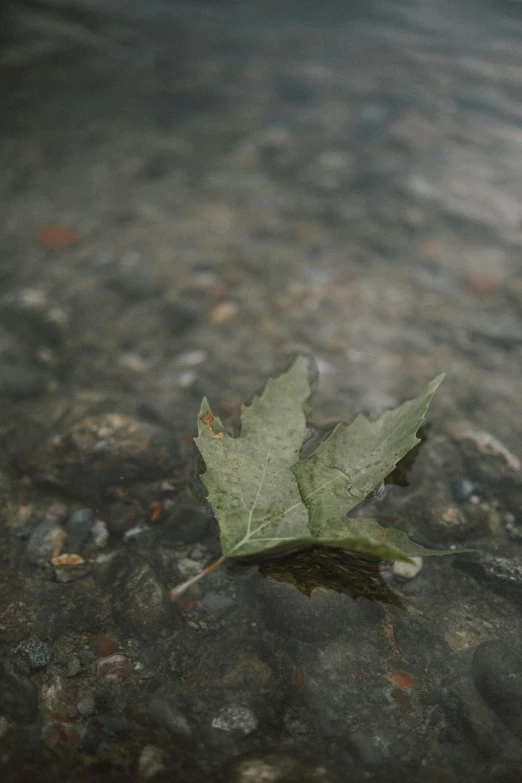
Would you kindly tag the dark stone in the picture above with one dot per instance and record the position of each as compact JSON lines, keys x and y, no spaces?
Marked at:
{"x":20,"y":383}
{"x":148,"y":411}
{"x":502,"y":575}
{"x":365,"y":751}
{"x":135,"y":282}
{"x":45,"y":541}
{"x":25,"y":530}
{"x":103,"y":450}
{"x":92,"y":739}
{"x":140,"y":602}
{"x":182,"y":314}
{"x":35,"y":652}
{"x":463,"y":489}
{"x":186,"y":525}
{"x":165,"y":713}
{"x":217,"y":604}
{"x":18,"y":697}
{"x":110,"y":725}
{"x":79,"y":526}
{"x":497,"y":674}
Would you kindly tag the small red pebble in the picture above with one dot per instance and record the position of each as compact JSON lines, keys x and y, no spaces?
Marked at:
{"x":482,"y":284}
{"x":102,"y":645}
{"x":55,"y":237}
{"x":68,"y":733}
{"x":115,"y":667}
{"x":156,"y":511}
{"x":299,"y":676}
{"x":402,"y":679}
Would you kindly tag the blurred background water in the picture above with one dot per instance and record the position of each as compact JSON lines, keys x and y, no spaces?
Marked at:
{"x":191,"y":194}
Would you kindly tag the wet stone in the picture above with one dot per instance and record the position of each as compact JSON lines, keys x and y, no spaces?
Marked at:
{"x":182,"y":314}
{"x":70,"y":568}
{"x":497,"y":674}
{"x":21,"y":382}
{"x":99,"y":534}
{"x":463,"y":490}
{"x":297,"y":721}
{"x":165,"y":713}
{"x":91,"y":740}
{"x":405,"y":572}
{"x":274,"y":768}
{"x":235,"y":718}
{"x":102,"y":645}
{"x":79,"y":525}
{"x":45,"y":542}
{"x":216,"y":604}
{"x":151,"y":762}
{"x":365,"y":750}
{"x":110,"y":724}
{"x":18,"y":697}
{"x":115,"y":667}
{"x":73,"y":666}
{"x":86,"y":706}
{"x":103,"y":450}
{"x":35,"y":652}
{"x":503,"y":575}
{"x":186,"y":525}
{"x":141,"y":603}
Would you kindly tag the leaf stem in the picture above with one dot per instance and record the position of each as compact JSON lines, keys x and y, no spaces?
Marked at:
{"x":178,"y":590}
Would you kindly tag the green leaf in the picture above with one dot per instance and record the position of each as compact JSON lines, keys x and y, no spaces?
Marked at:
{"x":354,"y":459}
{"x":251,"y":487}
{"x":266,"y":499}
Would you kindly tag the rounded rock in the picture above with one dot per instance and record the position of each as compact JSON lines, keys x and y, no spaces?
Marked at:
{"x":86,"y":706}
{"x":35,"y":652}
{"x":405,"y":572}
{"x":115,"y":667}
{"x":103,"y":450}
{"x":45,"y":542}
{"x":497,"y":675}
{"x":150,"y":762}
{"x":235,"y":718}
{"x":79,"y":526}
{"x":141,"y":602}
{"x":274,"y":768}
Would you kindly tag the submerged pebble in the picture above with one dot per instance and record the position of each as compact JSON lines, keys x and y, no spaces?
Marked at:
{"x":235,"y":718}
{"x":115,"y":667}
{"x":35,"y":652}
{"x":497,"y":674}
{"x":86,"y":706}
{"x":503,"y":575}
{"x":79,"y":525}
{"x":165,"y":712}
{"x":217,"y":604}
{"x":45,"y":542}
{"x":151,"y":762}
{"x":70,"y":568}
{"x":463,"y":490}
{"x":405,"y":572}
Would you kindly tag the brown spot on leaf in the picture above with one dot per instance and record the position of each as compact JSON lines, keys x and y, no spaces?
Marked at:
{"x":208,"y":419}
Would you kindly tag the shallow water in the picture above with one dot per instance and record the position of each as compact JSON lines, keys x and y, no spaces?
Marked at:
{"x":191,"y":194}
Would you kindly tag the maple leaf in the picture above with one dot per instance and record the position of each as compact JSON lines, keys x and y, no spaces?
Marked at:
{"x":266,"y":499}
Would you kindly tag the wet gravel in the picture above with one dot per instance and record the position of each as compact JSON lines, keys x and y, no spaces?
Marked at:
{"x":191,"y":195}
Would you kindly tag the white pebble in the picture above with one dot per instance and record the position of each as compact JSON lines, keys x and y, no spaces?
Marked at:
{"x":235,"y":718}
{"x":150,"y":762}
{"x":407,"y":571}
